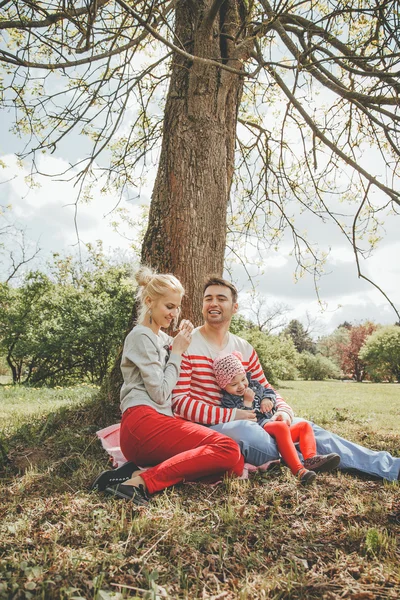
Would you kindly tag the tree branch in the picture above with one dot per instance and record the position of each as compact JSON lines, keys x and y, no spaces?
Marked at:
{"x":395,"y":196}
{"x":211,"y":16}
{"x":355,"y":249}
{"x":51,"y":19}
{"x":191,"y":57}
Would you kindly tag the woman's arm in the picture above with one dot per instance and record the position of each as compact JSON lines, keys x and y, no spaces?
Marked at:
{"x":159,"y":379}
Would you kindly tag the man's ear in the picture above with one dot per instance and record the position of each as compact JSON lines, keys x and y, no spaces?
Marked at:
{"x":235,"y":308}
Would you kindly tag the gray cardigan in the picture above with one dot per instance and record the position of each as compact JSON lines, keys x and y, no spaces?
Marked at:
{"x":150,"y":372}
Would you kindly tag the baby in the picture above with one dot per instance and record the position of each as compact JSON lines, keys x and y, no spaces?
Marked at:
{"x":243,"y":392}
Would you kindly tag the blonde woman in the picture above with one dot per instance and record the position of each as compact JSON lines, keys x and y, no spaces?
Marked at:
{"x":150,"y":433}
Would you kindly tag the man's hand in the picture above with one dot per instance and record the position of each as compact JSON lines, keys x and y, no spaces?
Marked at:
{"x":266,"y":405}
{"x":282,"y":416}
{"x":245,"y":415}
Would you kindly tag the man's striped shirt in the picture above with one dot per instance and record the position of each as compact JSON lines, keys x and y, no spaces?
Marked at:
{"x":197,"y":396}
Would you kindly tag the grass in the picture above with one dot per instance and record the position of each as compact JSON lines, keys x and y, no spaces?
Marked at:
{"x":18,"y":404}
{"x":375,"y":406}
{"x":237,"y":540}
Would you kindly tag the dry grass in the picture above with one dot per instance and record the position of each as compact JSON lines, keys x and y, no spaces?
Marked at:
{"x":237,"y":540}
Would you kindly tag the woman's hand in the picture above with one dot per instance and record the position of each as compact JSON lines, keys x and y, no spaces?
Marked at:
{"x":245,"y":415}
{"x":183,"y":338}
{"x":186,"y":325}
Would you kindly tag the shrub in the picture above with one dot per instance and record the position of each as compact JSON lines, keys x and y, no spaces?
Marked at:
{"x":381,"y":353}
{"x":277,"y":354}
{"x":66,"y":326}
{"x":317,"y":367}
{"x":4,"y":368}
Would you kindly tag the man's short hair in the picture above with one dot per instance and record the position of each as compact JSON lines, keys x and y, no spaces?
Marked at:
{"x":215,"y":280}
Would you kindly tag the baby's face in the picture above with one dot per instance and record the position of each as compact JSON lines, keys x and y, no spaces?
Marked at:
{"x":238,"y":385}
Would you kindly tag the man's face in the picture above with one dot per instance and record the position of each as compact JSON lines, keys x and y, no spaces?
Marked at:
{"x":218,"y":305}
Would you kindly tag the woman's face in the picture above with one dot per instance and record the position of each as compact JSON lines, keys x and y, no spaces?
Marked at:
{"x":165,"y":308}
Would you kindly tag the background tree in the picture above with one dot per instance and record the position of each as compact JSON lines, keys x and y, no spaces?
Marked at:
{"x":21,"y":315}
{"x":16,"y":251}
{"x":301,"y":338}
{"x":277,"y":354}
{"x":65,"y":326}
{"x":381,"y":353}
{"x":331,"y":345}
{"x":239,"y":324}
{"x":352,"y":363}
{"x":268,"y":317}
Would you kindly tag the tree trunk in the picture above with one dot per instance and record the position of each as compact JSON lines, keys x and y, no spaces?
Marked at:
{"x":13,"y":368}
{"x":186,"y":234}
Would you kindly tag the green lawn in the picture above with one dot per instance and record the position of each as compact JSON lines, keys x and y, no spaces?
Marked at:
{"x":372,"y":406}
{"x":19,"y":404}
{"x":240,"y":540}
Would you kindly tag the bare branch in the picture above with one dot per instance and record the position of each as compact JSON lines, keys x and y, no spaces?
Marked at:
{"x":211,"y":16}
{"x":395,"y":196}
{"x":356,"y":251}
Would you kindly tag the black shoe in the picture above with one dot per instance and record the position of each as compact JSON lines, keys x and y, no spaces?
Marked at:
{"x":321,"y":463}
{"x":136,"y":494}
{"x":306,"y":477}
{"x":119,"y":475}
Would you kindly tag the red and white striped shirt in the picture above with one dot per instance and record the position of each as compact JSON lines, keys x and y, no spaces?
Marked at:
{"x":197,"y":396}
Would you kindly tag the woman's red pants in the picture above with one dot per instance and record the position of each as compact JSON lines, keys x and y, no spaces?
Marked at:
{"x":181,"y":450}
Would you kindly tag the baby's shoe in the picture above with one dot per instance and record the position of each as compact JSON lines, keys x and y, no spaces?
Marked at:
{"x":321,"y":463}
{"x":305,"y":476}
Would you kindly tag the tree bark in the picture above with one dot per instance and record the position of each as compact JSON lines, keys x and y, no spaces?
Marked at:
{"x":186,"y":233}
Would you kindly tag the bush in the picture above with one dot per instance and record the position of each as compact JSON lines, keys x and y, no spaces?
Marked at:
{"x":277,"y":354}
{"x":381,"y":353}
{"x":317,"y":367}
{"x":4,"y":368}
{"x":66,"y":326}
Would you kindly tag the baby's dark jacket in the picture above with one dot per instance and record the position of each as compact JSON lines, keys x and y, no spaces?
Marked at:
{"x":232,"y":401}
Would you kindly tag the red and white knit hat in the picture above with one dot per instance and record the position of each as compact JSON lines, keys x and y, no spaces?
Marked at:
{"x":226,"y":367}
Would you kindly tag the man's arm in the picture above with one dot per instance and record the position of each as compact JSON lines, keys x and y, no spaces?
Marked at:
{"x":188,"y":407}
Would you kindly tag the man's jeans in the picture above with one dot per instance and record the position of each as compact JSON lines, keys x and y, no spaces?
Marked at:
{"x":258,"y":447}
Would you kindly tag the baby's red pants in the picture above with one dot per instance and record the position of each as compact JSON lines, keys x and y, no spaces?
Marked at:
{"x":286,"y":436}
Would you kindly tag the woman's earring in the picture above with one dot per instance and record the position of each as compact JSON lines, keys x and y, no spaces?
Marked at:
{"x":150,"y":317}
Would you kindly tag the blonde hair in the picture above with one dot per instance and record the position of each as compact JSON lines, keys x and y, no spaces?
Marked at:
{"x":154,"y":285}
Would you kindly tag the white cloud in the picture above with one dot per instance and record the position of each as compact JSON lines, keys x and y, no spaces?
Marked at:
{"x":51,"y":213}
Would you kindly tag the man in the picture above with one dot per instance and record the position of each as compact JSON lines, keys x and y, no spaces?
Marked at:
{"x":197,"y":395}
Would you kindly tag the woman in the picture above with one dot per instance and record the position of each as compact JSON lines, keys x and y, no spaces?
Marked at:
{"x":150,"y":434}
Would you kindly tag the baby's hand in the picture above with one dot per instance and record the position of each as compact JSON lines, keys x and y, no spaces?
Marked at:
{"x":266,"y":405}
{"x":248,"y":396}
